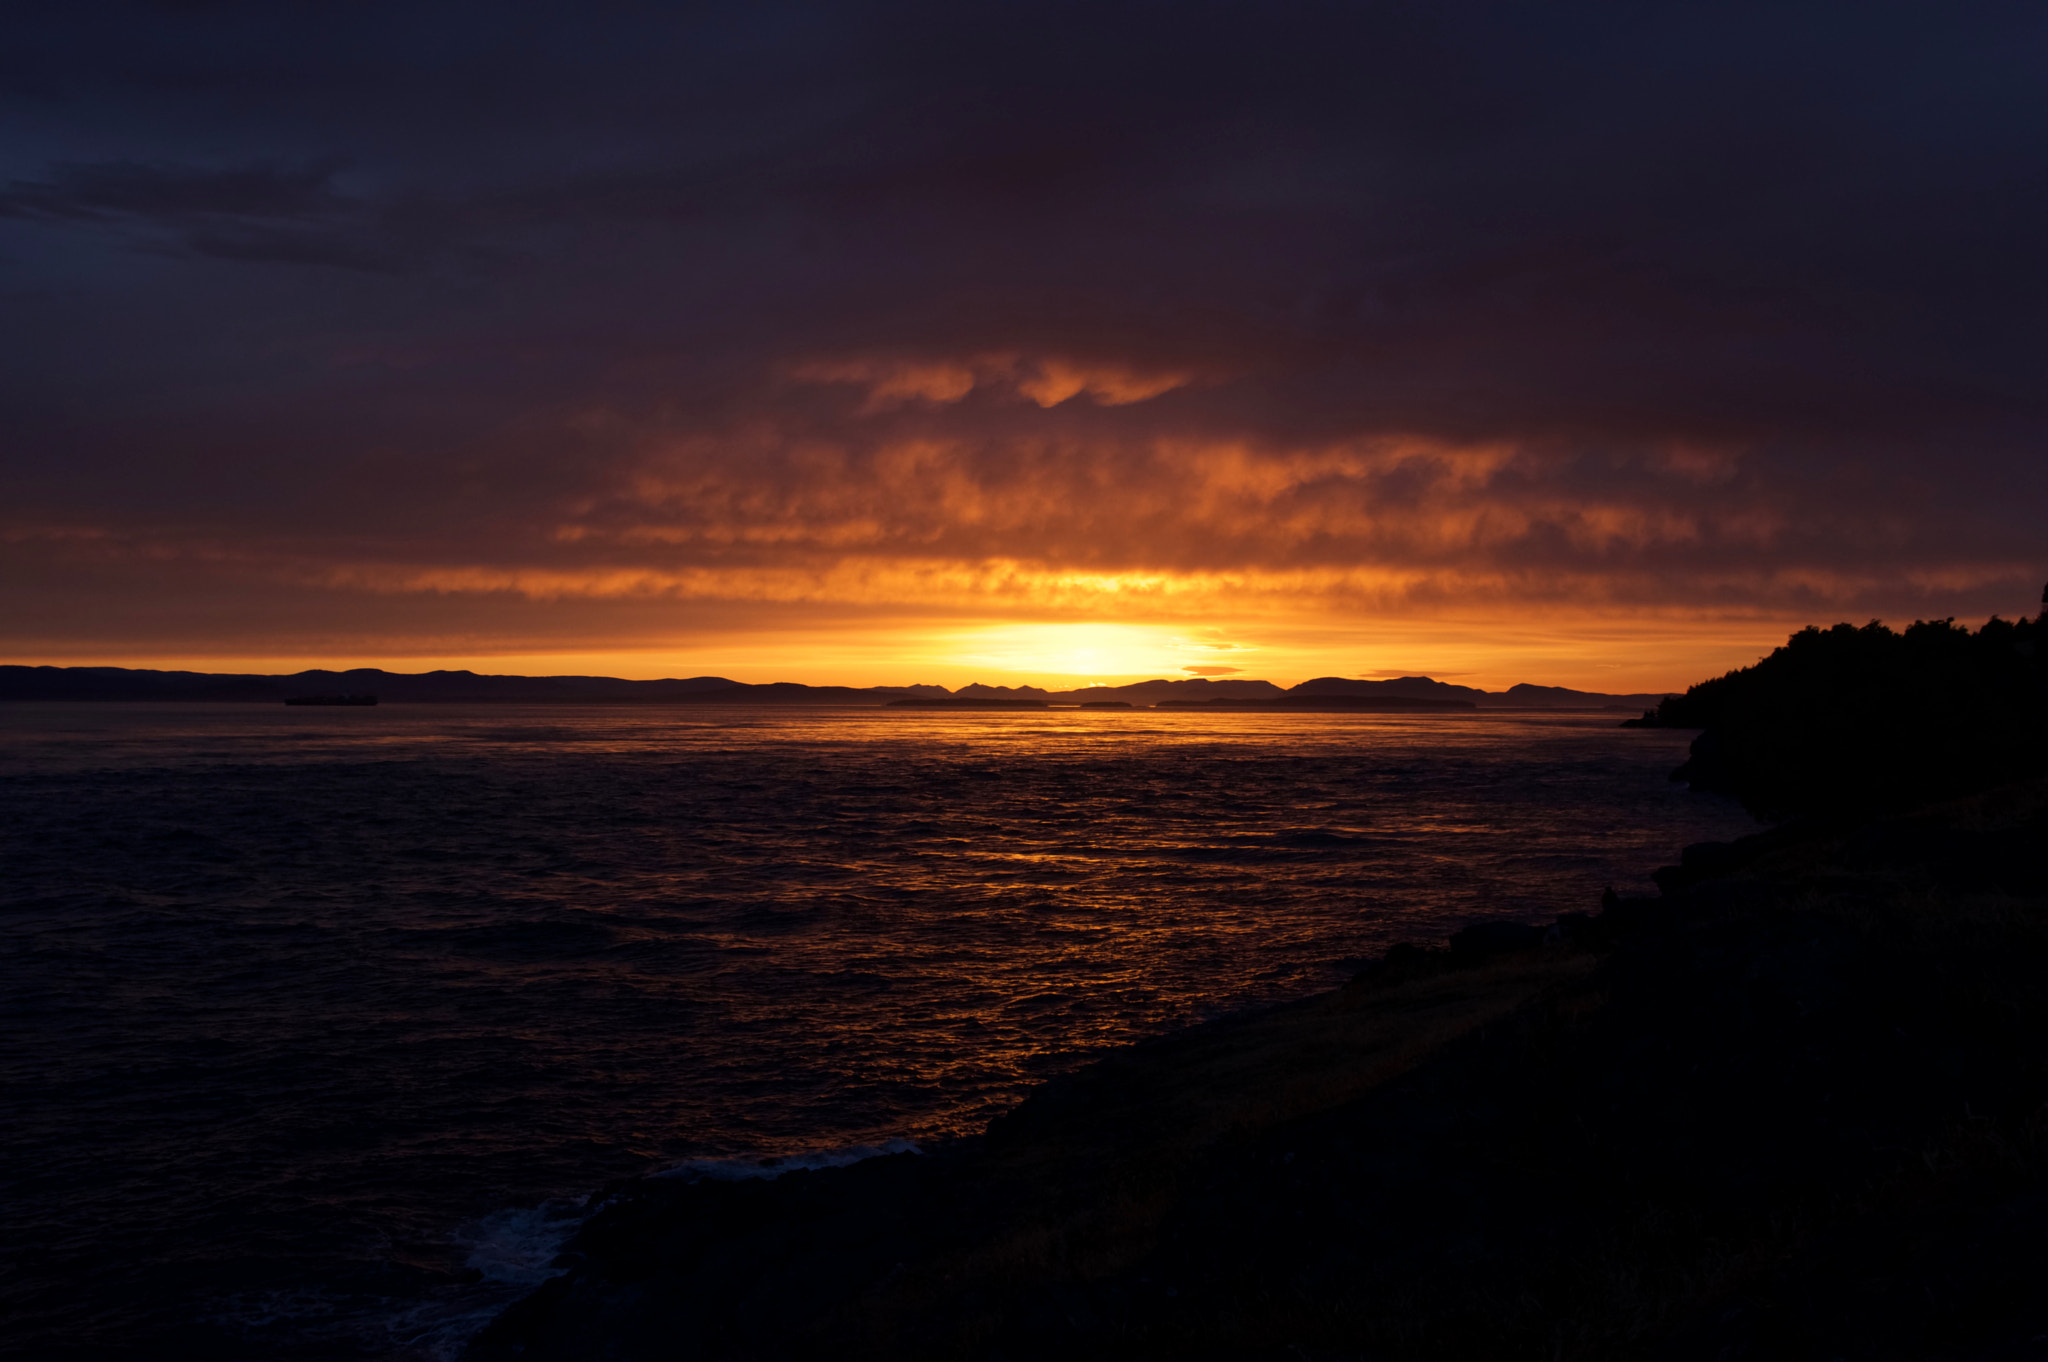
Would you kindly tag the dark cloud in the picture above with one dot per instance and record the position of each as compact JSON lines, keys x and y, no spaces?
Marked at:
{"x":125,"y":190}
{"x":260,"y":212}
{"x":1733,"y":305}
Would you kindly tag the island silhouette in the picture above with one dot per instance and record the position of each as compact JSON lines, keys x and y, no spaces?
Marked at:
{"x":30,"y":683}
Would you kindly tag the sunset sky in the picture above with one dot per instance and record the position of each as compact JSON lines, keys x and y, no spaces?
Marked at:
{"x":1594,"y":345}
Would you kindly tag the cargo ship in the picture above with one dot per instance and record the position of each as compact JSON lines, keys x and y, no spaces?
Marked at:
{"x":352,"y":699}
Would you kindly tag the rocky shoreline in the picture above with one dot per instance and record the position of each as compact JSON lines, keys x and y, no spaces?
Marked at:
{"x":1797,"y":1105}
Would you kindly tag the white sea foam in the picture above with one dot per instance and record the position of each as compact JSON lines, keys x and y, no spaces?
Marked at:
{"x":520,"y":1245}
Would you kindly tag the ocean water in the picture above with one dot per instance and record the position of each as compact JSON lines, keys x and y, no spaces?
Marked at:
{"x":319,"y":1025}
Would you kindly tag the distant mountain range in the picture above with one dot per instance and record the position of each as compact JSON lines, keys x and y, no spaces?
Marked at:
{"x":445,"y":687}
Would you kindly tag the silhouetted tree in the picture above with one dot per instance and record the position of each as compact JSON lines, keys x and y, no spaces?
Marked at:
{"x":1860,"y":719}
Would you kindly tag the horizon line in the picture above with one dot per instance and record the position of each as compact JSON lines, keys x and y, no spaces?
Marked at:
{"x":1380,"y":680}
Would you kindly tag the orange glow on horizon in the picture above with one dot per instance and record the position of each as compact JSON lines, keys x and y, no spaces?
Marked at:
{"x":1620,"y":655}
{"x":1020,"y":545}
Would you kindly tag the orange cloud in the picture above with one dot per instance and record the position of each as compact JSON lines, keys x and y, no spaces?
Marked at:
{"x":1158,"y":503}
{"x":1053,"y":381}
{"x":891,"y":383}
{"x":1045,"y":380}
{"x":1038,"y":590}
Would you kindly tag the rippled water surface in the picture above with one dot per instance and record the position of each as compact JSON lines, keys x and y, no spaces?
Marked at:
{"x":311,"y":1014}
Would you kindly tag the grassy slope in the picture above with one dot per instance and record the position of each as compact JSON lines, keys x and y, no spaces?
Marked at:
{"x":1795,"y":1108}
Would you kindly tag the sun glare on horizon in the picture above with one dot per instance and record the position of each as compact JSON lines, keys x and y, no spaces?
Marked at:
{"x":1086,"y":650}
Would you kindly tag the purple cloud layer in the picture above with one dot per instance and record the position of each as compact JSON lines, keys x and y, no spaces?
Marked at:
{"x":313,"y":312}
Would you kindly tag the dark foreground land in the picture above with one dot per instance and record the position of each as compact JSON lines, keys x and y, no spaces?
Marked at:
{"x":1792,"y":1108}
